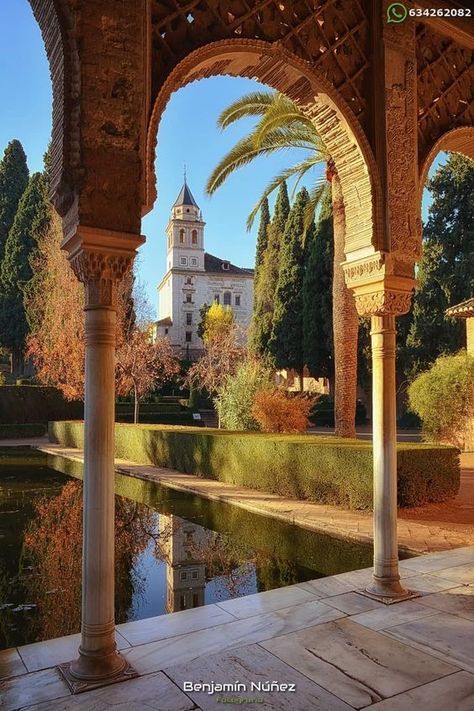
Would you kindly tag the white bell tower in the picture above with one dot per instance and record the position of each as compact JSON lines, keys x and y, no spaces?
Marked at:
{"x":185,"y":233}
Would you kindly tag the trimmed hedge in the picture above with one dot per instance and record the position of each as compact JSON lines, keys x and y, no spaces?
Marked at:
{"x":25,"y":430}
{"x":36,"y":404}
{"x":323,"y":469}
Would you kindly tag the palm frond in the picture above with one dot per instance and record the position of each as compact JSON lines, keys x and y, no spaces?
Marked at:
{"x":254,"y":104}
{"x":299,"y":170}
{"x":243,"y":153}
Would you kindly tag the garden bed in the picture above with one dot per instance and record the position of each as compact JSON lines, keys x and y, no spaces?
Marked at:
{"x":323,"y":469}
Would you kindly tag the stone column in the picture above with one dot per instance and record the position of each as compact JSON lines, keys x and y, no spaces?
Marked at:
{"x":386,"y":578}
{"x":382,"y":294}
{"x":100,"y":271}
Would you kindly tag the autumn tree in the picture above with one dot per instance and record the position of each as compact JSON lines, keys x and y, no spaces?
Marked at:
{"x":56,"y":342}
{"x":143,"y":366}
{"x":217,"y":320}
{"x":276,"y":412}
{"x":55,"y":308}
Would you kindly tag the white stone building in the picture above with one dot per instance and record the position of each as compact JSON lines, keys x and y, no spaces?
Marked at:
{"x":194,"y":277}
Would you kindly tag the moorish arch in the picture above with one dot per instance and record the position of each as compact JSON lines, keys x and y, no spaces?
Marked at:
{"x":56,"y":23}
{"x":458,"y":140}
{"x":318,"y":99}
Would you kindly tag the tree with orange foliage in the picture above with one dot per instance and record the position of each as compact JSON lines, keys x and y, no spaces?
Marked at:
{"x":143,"y":365}
{"x":55,"y":309}
{"x":275,"y":412}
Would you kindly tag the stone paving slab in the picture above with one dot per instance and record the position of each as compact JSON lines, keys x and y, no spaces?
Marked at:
{"x":424,"y":537}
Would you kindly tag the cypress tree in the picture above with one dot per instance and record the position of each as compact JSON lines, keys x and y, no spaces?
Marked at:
{"x":286,"y":341}
{"x":446,"y":270}
{"x":265,"y":286}
{"x":318,"y":348}
{"x":13,"y":182}
{"x":31,"y":220}
{"x":262,"y":237}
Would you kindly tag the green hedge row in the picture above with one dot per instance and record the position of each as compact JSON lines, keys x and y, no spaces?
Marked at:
{"x":153,"y":407}
{"x":34,"y":403}
{"x":323,"y":469}
{"x":25,"y":430}
{"x":184,"y":418}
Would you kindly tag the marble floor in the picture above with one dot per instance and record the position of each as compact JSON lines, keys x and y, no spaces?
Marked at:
{"x":340,"y":650}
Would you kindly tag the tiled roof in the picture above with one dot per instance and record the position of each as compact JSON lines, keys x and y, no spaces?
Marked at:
{"x":185,"y":197}
{"x":216,"y":265}
{"x":463,"y":310}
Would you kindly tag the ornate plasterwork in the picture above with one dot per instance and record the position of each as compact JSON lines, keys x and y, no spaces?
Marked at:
{"x":383,"y":303}
{"x":380,"y":286}
{"x":274,"y":65}
{"x":100,"y":274}
{"x":100,"y":259}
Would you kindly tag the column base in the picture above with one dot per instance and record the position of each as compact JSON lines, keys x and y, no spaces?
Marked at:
{"x":87,"y":673}
{"x":387,"y":591}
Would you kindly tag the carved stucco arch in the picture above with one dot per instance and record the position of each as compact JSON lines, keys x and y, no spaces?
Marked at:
{"x":459,"y":140}
{"x":271,"y":64}
{"x":57,"y":28}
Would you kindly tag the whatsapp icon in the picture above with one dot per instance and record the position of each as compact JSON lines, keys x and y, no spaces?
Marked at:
{"x":396,"y":12}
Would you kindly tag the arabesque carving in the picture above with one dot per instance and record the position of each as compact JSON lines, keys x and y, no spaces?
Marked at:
{"x":383,"y":303}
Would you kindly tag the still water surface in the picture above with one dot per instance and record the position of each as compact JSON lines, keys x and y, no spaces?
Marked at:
{"x":174,"y":550}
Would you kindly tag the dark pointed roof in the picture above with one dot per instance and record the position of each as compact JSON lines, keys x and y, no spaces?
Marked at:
{"x":185,"y":197}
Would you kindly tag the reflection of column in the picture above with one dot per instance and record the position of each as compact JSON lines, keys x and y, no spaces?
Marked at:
{"x":185,"y":572}
{"x":100,"y":272}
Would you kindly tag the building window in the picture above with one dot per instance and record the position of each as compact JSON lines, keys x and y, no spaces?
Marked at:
{"x":189,"y":536}
{"x":166,"y":331}
{"x":227,"y":298}
{"x":182,"y":602}
{"x":183,"y":576}
{"x":189,"y":280}
{"x":189,"y":319}
{"x":194,"y":575}
{"x":237,"y":300}
{"x":225,"y":266}
{"x":188,"y":298}
{"x":189,"y":336}
{"x":183,"y":260}
{"x":216,"y":299}
{"x":195,"y":600}
{"x":194,"y":237}
{"x":194,"y":261}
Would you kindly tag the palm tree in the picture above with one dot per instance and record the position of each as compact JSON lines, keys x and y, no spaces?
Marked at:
{"x":282,"y":126}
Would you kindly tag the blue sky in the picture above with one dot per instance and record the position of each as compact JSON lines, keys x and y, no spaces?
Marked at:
{"x":187,"y":133}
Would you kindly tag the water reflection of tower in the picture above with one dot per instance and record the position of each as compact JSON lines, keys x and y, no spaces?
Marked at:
{"x":185,"y":573}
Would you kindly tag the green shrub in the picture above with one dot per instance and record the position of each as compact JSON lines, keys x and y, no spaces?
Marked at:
{"x":323,"y":469}
{"x":443,"y":398}
{"x":34,"y":403}
{"x":235,"y":401}
{"x":25,"y":430}
{"x":322,"y":413}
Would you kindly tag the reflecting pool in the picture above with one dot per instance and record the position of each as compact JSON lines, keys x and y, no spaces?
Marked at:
{"x":174,"y":550}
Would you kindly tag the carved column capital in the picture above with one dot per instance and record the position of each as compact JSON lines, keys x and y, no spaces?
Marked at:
{"x":382,"y":285}
{"x":100,"y":259}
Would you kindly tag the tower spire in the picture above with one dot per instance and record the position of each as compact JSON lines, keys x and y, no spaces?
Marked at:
{"x":184,"y":171}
